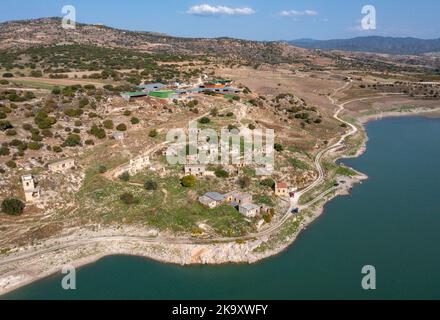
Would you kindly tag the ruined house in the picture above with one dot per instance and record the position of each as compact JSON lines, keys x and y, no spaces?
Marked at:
{"x":31,"y":193}
{"x":61,"y":165}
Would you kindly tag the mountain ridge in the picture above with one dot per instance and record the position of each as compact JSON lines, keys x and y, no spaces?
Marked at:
{"x":373,"y":44}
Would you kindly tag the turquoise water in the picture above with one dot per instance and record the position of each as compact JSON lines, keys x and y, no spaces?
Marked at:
{"x":391,"y":221}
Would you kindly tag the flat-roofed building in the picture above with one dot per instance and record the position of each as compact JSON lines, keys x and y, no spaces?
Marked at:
{"x":212,"y":199}
{"x":61,"y":165}
{"x":249,"y":210}
{"x":196,"y":170}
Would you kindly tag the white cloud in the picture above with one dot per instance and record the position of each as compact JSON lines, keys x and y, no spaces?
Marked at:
{"x":295,"y":13}
{"x":208,"y":10}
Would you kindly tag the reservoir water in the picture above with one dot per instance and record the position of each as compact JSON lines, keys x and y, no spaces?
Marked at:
{"x":391,"y":221}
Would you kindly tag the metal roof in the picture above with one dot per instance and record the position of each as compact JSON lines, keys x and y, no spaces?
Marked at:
{"x":215,"y":196}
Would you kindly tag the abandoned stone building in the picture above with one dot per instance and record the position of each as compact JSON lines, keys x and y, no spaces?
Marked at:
{"x":196,"y":170}
{"x":31,"y":192}
{"x":61,"y":165}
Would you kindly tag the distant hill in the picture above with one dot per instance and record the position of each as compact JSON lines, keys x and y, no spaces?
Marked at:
{"x":18,"y":35}
{"x":375,"y":44}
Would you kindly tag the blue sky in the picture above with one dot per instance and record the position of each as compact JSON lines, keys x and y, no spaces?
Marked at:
{"x":247,"y":19}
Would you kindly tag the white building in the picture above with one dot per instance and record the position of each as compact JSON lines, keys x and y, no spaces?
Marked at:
{"x":196,"y":170}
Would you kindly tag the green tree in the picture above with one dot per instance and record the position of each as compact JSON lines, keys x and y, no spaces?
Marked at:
{"x":5,"y":125}
{"x":125,"y":177}
{"x":153,"y":133}
{"x":72,"y":140}
{"x":188,"y":181}
{"x":108,"y":124}
{"x":244,"y":182}
{"x":127,"y":198}
{"x":150,"y":185}
{"x":98,"y":132}
{"x":121,"y":127}
{"x":205,"y":120}
{"x":268,"y":183}
{"x":278,"y":147}
{"x":221,"y":173}
{"x":13,"y":206}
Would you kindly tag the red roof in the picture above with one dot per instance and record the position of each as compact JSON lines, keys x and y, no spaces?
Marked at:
{"x":281,"y":185}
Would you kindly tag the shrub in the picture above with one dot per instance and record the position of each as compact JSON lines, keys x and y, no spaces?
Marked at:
{"x":127,"y":198}
{"x":2,"y":115}
{"x":150,"y":185}
{"x":4,"y":151}
{"x":244,"y":182}
{"x":11,"y":164}
{"x":73,"y":112}
{"x":121,"y":127}
{"x":12,"y":206}
{"x":153,"y":133}
{"x":98,"y":132}
{"x":5,"y":125}
{"x":11,"y":132}
{"x":108,"y":124}
{"x":57,"y":149}
{"x":135,"y":120}
{"x":220,"y":173}
{"x":8,"y":75}
{"x":56,"y":90}
{"x":83,"y":102}
{"x":102,"y":169}
{"x":188,"y":181}
{"x":33,"y":145}
{"x":27,"y":127}
{"x":127,"y":113}
{"x":47,"y":133}
{"x":251,"y":126}
{"x":268,"y":183}
{"x":36,"y":73}
{"x":278,"y":147}
{"x":89,"y":142}
{"x":72,"y":140}
{"x":125,"y":177}
{"x":205,"y":120}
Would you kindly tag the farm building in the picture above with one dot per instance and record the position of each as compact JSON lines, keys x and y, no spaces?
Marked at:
{"x":212,"y":199}
{"x":164,"y":94}
{"x":238,"y":198}
{"x":249,"y":210}
{"x":61,"y":165}
{"x":129,"y":95}
{"x":223,"y":81}
{"x":151,"y":87}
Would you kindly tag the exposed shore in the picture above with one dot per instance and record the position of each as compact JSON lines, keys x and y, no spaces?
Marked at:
{"x":22,"y":268}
